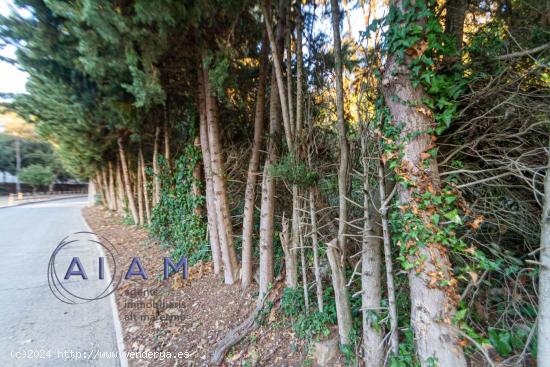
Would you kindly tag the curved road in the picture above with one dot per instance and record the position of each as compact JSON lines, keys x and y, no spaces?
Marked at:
{"x":36,"y":329}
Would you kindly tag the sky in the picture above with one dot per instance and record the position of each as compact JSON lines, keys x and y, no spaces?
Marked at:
{"x":12,"y":80}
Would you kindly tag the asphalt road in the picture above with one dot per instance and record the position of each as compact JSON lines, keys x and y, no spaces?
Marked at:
{"x":36,"y":329}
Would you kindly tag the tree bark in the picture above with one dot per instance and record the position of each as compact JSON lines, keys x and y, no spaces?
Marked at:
{"x":543,"y":339}
{"x":209,"y":187}
{"x":388,"y":262}
{"x":167,"y":142}
{"x":105,"y":189}
{"x":315,"y":247}
{"x":343,"y":310}
{"x":197,"y":178}
{"x":145,"y":188}
{"x":17,"y":163}
{"x":225,"y":230}
{"x":139,"y":191}
{"x":121,"y":206}
{"x":112,"y":193}
{"x":156,"y":180}
{"x":253,"y":167}
{"x":371,"y":282}
{"x":432,"y":308}
{"x":127,"y":184}
{"x":454,"y":26}
{"x":342,"y":129}
{"x":267,"y":208}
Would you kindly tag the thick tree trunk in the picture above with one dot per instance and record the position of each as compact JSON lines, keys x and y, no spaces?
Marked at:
{"x":253,"y":167}
{"x":342,"y":129}
{"x":225,"y":230}
{"x":145,"y":188}
{"x":127,"y":184}
{"x":112,"y":193}
{"x":156,"y":180}
{"x":543,"y":340}
{"x":432,"y":308}
{"x":343,"y":310}
{"x":267,"y":207}
{"x":209,"y":186}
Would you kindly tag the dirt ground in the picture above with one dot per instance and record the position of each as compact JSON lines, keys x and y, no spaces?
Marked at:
{"x":191,"y":315}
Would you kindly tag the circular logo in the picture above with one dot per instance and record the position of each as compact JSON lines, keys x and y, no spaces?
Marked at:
{"x":74,"y":250}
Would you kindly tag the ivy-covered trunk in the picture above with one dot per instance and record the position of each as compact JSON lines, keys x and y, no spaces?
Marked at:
{"x":432,"y":287}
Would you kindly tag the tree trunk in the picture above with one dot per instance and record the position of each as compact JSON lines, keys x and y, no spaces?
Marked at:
{"x":209,"y":187}
{"x":145,"y":188}
{"x":156,"y":180}
{"x":343,"y":310}
{"x":342,"y":129}
{"x":253,"y":167}
{"x":315,"y":247}
{"x":121,"y":206}
{"x":139,"y":191}
{"x":388,"y":262}
{"x":543,"y":339}
{"x":225,"y":230}
{"x":432,"y":308}
{"x":167,"y":142}
{"x":291,"y":256}
{"x":105,"y":189}
{"x":371,"y":282}
{"x":17,"y":163}
{"x":454,"y":20}
{"x":127,"y":184}
{"x":112,"y":193}
{"x":267,"y":209}
{"x":197,"y":178}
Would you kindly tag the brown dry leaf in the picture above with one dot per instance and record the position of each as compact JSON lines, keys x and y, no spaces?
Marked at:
{"x":424,"y":156}
{"x":471,"y":250}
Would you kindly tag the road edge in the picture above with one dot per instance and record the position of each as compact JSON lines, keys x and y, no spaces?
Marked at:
{"x":123,"y":360}
{"x":42,"y":201}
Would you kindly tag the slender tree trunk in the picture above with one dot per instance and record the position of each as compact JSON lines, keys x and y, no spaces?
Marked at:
{"x":139,"y":191}
{"x":543,"y":339}
{"x":388,"y":262}
{"x":105,"y":183}
{"x":127,"y":184}
{"x":336,"y":256}
{"x":112,"y":193}
{"x":431,"y":307}
{"x":101,"y":188}
{"x":17,"y":163}
{"x":225,"y":230}
{"x":291,"y":257}
{"x":267,"y":209}
{"x":253,"y":167}
{"x":343,"y":310}
{"x":156,"y":180}
{"x":121,"y":206}
{"x":371,"y":282}
{"x":342,"y":129}
{"x":145,"y":188}
{"x":315,"y":247}
{"x":167,"y":142}
{"x":197,"y":178}
{"x":209,"y":187}
{"x":303,"y":263}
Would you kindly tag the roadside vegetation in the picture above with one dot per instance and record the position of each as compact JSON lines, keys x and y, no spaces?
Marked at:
{"x":376,"y":169}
